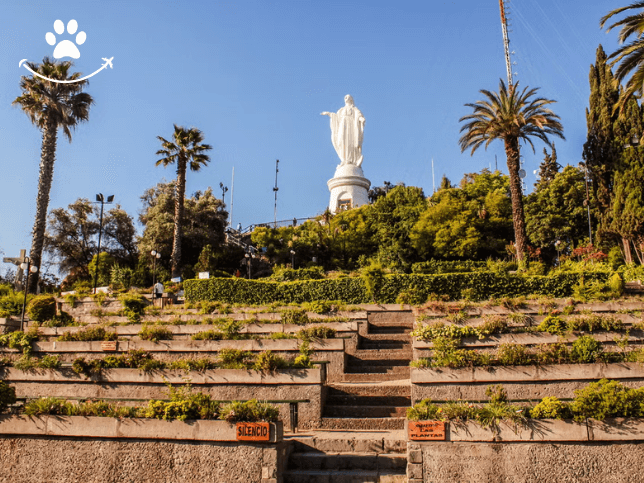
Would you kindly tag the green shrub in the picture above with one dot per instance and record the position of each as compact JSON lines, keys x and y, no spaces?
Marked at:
{"x":200,"y":364}
{"x":425,"y":410}
{"x":616,"y":285}
{"x":48,"y":362}
{"x":447,"y":354}
{"x":552,"y":354}
{"x":494,"y":324}
{"x":184,"y":404}
{"x":319,"y":306}
{"x":317,"y":332}
{"x":498,"y":409}
{"x":551,"y":408}
{"x":374,"y":279}
{"x":513,"y":355}
{"x":430,"y":332}
{"x":249,"y":411}
{"x":42,"y":308}
{"x":442,"y":266}
{"x":295,"y":316}
{"x":208,"y":335}
{"x":20,"y":340}
{"x":52,"y":406}
{"x":269,"y":361}
{"x":7,"y":396}
{"x":594,"y":322}
{"x":587,"y":290}
{"x":234,"y":359}
{"x":133,"y":306}
{"x":155,"y":334}
{"x":282,"y":335}
{"x":283,"y":274}
{"x":61,"y":320}
{"x":585,"y":350}
{"x":11,"y":303}
{"x":607,"y":399}
{"x":89,"y":334}
{"x":553,"y":325}
{"x":421,"y":363}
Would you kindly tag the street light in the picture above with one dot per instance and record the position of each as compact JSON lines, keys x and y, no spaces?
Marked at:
{"x":28,"y":268}
{"x":101,"y":200}
{"x":293,"y":259}
{"x":155,"y":255}
{"x":247,"y":255}
{"x":557,"y":243}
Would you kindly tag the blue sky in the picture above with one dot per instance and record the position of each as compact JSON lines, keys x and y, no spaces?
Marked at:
{"x":254,"y":76}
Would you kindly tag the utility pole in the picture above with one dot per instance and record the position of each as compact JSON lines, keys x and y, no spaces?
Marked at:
{"x":275,"y":190}
{"x":232,"y":194}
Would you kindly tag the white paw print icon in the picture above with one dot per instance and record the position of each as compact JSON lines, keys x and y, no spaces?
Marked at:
{"x":66,"y":48}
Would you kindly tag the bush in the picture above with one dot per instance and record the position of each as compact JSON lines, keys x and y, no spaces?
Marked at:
{"x":208,"y":335}
{"x":20,"y":340}
{"x":269,"y":361}
{"x":184,"y":404}
{"x":42,"y":308}
{"x":319,"y":306}
{"x":295,"y":316}
{"x":553,"y":325}
{"x":513,"y":355}
{"x":234,"y":359}
{"x":425,"y":410}
{"x":133,"y":306}
{"x":48,"y":406}
{"x":594,"y":322}
{"x":616,"y":284}
{"x":441,"y":266}
{"x":607,"y":399}
{"x":585,"y":350}
{"x":283,"y":274}
{"x":155,"y":334}
{"x":11,"y":303}
{"x":374,"y":279}
{"x":553,"y":354}
{"x":61,"y":320}
{"x":480,"y":286}
{"x":7,"y":396}
{"x":318,"y":332}
{"x":249,"y":411}
{"x":551,"y":408}
{"x":89,"y":334}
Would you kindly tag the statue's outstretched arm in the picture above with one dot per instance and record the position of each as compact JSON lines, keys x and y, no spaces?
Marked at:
{"x":325,"y":113}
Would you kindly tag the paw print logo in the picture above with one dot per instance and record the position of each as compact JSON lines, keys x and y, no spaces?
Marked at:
{"x":66,"y":48}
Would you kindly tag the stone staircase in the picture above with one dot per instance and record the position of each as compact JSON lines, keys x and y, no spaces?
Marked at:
{"x":375,"y":390}
{"x":347,"y":457}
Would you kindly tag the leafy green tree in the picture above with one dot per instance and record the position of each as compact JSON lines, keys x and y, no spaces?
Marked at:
{"x":50,"y":106}
{"x":629,"y":58}
{"x":548,"y":169}
{"x":470,"y":222}
{"x":204,"y":224}
{"x":608,"y":137}
{"x":511,"y":116}
{"x":556,"y":210}
{"x":72,"y":235}
{"x":185,"y":149}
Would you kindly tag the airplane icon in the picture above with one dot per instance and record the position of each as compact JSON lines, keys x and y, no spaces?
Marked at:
{"x":108,"y":62}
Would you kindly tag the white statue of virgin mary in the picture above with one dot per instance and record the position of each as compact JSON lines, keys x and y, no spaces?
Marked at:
{"x":347,"y":129}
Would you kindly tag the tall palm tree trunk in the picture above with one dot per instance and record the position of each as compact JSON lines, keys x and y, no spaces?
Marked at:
{"x":178,"y":217}
{"x":520,"y":238}
{"x":47,"y":159}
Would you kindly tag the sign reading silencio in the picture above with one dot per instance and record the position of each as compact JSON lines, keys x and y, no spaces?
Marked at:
{"x":427,"y":430}
{"x":253,"y":431}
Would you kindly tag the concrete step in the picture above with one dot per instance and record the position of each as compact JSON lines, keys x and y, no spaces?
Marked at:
{"x":386,"y":337}
{"x":366,"y":400}
{"x":379,"y":369}
{"x":362,"y":423}
{"x":343,"y":476}
{"x":356,"y":362}
{"x":377,"y":411}
{"x":360,"y":441}
{"x":379,"y":354}
{"x":347,"y":461}
{"x":366,"y":344}
{"x":388,"y":329}
{"x":376,"y":377}
{"x":369,"y":390}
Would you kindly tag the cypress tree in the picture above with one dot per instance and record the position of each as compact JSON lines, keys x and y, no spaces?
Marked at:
{"x":548,"y":168}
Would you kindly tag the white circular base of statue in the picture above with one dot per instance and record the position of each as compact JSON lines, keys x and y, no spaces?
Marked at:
{"x":349,"y":188}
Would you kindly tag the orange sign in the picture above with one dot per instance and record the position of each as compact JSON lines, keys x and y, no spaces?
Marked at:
{"x":109,"y":345}
{"x":427,"y":430}
{"x":253,"y":431}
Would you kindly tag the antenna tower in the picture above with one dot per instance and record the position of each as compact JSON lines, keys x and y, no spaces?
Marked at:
{"x":506,"y":41}
{"x":276,"y":189}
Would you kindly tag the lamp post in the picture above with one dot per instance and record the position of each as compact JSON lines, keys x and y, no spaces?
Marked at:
{"x":557,"y":243}
{"x":100,"y":199}
{"x":247,"y":255}
{"x":587,"y":202}
{"x":293,"y":259}
{"x":155,"y":255}
{"x":28,"y":268}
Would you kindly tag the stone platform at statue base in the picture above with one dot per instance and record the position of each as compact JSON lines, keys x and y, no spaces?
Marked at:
{"x":349,"y":188}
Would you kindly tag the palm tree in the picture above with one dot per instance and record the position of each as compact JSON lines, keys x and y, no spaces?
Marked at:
{"x":630,"y":57}
{"x":186,"y":146}
{"x":510,"y":116}
{"x":50,"y":106}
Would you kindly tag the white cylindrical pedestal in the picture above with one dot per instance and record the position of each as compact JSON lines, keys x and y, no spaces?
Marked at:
{"x":349,"y":188}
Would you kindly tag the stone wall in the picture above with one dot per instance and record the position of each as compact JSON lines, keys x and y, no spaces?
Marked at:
{"x":463,"y":462}
{"x":65,"y":460}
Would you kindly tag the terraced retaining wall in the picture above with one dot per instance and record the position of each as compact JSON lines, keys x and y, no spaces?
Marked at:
{"x":99,"y":450}
{"x":549,"y":451}
{"x":520,"y":382}
{"x":135,"y":387}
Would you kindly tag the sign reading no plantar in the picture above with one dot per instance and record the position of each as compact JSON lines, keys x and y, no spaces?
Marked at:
{"x":427,"y":430}
{"x":253,"y":432}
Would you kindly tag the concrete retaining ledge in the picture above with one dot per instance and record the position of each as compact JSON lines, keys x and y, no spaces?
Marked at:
{"x":187,"y":345}
{"x":136,"y":376}
{"x":527,"y":374}
{"x":545,"y":430}
{"x":126,"y":428}
{"x":636,"y":337}
{"x":133,"y":330}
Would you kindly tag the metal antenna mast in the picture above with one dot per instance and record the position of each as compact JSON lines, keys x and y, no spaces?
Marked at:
{"x":275,"y":190}
{"x":506,"y":42}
